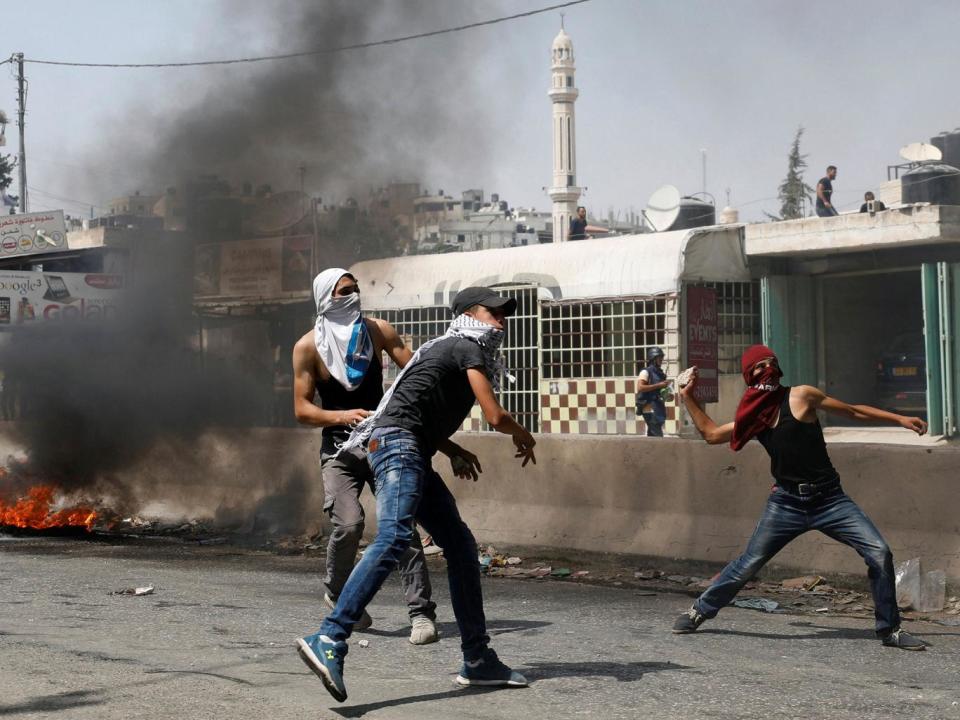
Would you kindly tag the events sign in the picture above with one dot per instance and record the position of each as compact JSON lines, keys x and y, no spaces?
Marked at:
{"x":702,"y":341}
{"x":29,"y":297}
{"x":32,"y":233}
{"x":264,"y":268}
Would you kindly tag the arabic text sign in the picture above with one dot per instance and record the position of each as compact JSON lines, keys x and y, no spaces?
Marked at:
{"x":32,"y":233}
{"x":253,"y":268}
{"x":702,"y":340}
{"x":28,"y":297}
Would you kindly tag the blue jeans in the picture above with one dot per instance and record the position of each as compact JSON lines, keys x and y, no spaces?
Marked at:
{"x":409,"y":491}
{"x":654,"y":424}
{"x":788,"y":516}
{"x":827,"y":211}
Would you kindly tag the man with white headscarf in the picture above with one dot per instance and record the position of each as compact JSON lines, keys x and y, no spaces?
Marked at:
{"x":339,"y":360}
{"x":426,"y":404}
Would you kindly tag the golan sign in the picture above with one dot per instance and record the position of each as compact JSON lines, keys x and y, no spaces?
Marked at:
{"x":29,"y":297}
{"x":32,"y":233}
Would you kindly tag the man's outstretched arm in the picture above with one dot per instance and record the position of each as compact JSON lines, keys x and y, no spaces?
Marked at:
{"x":711,"y":432}
{"x":499,"y":419}
{"x":817,"y":400}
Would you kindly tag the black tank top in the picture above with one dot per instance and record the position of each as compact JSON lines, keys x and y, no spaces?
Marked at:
{"x":334,"y":396}
{"x":797,"y":451}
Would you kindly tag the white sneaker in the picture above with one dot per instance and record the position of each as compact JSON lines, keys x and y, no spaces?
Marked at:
{"x":363,"y":623}
{"x":424,"y":631}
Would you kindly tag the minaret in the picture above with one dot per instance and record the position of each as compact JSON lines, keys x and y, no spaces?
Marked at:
{"x":563,"y":93}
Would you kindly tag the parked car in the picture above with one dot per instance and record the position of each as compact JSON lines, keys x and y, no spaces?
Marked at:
{"x":902,"y":376}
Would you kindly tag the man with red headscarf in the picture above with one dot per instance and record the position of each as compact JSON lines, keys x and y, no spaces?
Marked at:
{"x":806,"y":494}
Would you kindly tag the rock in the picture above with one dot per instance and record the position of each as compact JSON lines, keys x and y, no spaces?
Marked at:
{"x":806,"y":582}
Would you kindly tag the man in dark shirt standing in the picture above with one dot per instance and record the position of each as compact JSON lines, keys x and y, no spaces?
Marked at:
{"x":426,"y":404}
{"x":807,"y":494}
{"x":825,"y":206}
{"x":578,"y":225}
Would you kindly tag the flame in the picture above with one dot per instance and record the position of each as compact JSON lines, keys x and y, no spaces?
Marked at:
{"x":33,"y":511}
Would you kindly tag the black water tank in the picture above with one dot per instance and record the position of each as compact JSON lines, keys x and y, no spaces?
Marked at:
{"x":935,"y":183}
{"x":949,"y":145}
{"x":694,"y":213}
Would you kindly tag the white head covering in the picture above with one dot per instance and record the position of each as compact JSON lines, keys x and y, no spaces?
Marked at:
{"x":340,"y":333}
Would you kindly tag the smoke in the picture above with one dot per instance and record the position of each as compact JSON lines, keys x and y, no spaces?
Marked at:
{"x":352,"y":120}
{"x":95,"y":396}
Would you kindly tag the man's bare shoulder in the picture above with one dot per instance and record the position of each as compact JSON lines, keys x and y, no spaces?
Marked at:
{"x":806,"y":392}
{"x":305,"y":355}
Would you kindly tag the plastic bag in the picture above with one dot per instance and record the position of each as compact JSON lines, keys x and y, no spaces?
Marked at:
{"x":908,"y":583}
{"x":933,"y":591}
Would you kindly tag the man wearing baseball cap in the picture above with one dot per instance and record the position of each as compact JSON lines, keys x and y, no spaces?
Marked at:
{"x":806,"y":495}
{"x":427,"y":403}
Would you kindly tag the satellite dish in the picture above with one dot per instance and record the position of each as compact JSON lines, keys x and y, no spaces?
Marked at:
{"x":663,"y":208}
{"x":920,"y":152}
{"x":279,"y":211}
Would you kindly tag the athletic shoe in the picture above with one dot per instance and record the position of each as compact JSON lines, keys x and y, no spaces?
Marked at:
{"x":325,"y":658}
{"x":489,"y":671}
{"x":363,"y":623}
{"x":424,"y":631}
{"x":903,"y":640}
{"x":689,"y":621}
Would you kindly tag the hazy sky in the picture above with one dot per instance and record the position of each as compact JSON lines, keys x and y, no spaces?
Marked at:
{"x":658,"y":79}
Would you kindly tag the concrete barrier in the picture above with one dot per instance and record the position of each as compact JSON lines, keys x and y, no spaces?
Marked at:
{"x":667,"y":497}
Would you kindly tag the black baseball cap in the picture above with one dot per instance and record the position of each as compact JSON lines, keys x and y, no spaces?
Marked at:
{"x":468,"y":297}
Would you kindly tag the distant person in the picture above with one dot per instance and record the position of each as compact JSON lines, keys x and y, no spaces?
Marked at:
{"x":807,"y":494}
{"x":825,"y":206}
{"x":651,"y":384}
{"x":426,"y":404}
{"x":578,"y":225}
{"x":871,"y":205}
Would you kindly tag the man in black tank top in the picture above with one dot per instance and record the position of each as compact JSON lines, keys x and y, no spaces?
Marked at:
{"x":806,"y":495}
{"x":344,"y":477}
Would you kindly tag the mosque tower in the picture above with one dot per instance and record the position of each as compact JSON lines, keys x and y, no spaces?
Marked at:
{"x":563,"y":94}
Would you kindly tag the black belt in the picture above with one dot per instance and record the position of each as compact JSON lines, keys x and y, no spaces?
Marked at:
{"x":807,"y":489}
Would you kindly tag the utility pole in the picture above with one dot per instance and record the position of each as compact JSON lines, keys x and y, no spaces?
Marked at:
{"x":21,"y":116}
{"x":703,"y":154}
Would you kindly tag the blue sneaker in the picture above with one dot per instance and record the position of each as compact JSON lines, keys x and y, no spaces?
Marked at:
{"x":325,"y":658}
{"x":489,"y":671}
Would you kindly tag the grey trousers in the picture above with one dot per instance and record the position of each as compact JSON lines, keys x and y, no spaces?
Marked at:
{"x":343,"y":480}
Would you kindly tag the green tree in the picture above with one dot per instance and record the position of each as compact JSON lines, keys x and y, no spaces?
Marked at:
{"x":793,"y":192}
{"x":6,"y":172}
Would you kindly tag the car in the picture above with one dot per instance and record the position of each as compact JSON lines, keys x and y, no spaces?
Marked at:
{"x":902,"y":376}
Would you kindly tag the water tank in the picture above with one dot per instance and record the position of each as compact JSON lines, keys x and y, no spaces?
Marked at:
{"x":694,"y":213}
{"x":935,"y":182}
{"x":948,"y":144}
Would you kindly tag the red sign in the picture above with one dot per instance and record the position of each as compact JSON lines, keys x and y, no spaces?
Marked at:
{"x":702,"y":344}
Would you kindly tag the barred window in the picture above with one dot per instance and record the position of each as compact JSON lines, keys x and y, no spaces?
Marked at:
{"x":738,"y":321}
{"x":603,"y":338}
{"x":520,"y":349}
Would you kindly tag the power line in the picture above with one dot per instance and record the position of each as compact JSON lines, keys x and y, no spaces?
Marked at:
{"x":324,"y":51}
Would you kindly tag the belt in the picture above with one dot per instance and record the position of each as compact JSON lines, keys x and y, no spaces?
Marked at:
{"x":807,"y":489}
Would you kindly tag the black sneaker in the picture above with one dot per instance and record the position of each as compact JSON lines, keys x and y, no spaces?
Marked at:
{"x":489,"y":671}
{"x":903,"y":640}
{"x":689,"y":621}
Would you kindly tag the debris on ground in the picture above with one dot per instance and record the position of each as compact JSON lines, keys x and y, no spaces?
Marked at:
{"x":146,"y":590}
{"x":364,"y":643}
{"x":561,"y":572}
{"x":807,"y":582}
{"x":514,"y":560}
{"x":755,"y":603}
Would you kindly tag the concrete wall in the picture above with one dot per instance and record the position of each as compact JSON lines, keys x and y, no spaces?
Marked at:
{"x":665,"y":497}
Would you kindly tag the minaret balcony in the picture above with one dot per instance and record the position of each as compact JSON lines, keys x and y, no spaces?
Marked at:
{"x":564,"y":94}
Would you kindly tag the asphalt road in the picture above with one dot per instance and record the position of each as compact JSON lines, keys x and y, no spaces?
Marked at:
{"x":216,"y":638}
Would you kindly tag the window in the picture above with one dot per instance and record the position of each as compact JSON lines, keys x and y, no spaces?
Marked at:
{"x":520,"y":348}
{"x":461,"y":238}
{"x":569,"y":80}
{"x":569,"y":180}
{"x":604,"y":338}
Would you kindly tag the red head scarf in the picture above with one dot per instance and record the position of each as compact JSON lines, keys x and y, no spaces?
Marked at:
{"x":761,"y":402}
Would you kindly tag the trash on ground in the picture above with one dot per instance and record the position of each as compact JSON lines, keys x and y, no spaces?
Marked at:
{"x":806,"y":582}
{"x":907,"y":576}
{"x":581,"y":573}
{"x":757,"y":604}
{"x":561,"y":572}
{"x":364,"y":643}
{"x":924,"y":592}
{"x":681,"y":579}
{"x":821,"y":609}
{"x":514,"y":560}
{"x":147,"y":590}
{"x":647,"y":574}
